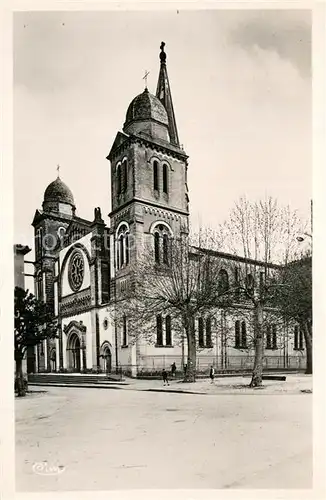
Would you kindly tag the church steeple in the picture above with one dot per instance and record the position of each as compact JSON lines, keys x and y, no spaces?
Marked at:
{"x":163,"y":93}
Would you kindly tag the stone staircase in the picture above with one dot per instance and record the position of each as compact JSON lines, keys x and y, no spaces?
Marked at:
{"x":75,"y":379}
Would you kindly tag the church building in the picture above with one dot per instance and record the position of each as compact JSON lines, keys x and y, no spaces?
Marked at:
{"x":82,"y":266}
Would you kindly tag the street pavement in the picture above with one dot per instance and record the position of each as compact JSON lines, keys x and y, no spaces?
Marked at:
{"x":101,"y":439}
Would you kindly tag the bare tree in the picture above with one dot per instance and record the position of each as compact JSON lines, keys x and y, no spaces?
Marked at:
{"x":183,"y":283}
{"x":264,"y":234}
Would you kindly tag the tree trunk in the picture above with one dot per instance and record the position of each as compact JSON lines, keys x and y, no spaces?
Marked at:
{"x":257,"y":372}
{"x":19,"y":380}
{"x":190,"y":373}
{"x":308,"y":341}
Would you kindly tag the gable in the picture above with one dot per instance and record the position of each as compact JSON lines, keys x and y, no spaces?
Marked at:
{"x":120,"y":138}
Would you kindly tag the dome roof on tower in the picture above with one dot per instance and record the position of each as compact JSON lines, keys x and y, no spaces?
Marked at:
{"x":59,"y":192}
{"x":146,"y":107}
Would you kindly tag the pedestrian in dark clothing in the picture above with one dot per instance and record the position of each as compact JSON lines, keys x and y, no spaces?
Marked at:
{"x":173,"y":369}
{"x":165,"y":377}
{"x":212,"y":374}
{"x":185,"y":370}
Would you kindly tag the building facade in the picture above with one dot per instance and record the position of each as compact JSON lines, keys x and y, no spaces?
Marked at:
{"x":82,"y":266}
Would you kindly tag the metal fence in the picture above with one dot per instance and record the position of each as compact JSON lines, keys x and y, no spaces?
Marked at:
{"x":153,"y":365}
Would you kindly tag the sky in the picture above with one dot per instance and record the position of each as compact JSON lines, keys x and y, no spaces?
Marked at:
{"x":241,"y":88}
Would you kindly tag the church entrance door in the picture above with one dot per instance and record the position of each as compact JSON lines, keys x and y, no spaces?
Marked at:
{"x":74,"y":352}
{"x":53,"y":358}
{"x":107,"y":359}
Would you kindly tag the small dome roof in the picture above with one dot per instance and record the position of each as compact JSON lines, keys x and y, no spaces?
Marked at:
{"x":146,"y":107}
{"x":58,"y":191}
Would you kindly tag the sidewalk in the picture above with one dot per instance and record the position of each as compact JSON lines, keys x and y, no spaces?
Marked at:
{"x":294,"y":384}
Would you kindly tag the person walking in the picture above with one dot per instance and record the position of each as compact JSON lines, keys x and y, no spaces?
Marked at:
{"x":165,"y":377}
{"x":173,"y":369}
{"x":212,"y":374}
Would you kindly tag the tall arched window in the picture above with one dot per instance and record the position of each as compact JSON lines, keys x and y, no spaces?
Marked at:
{"x":119,"y":180}
{"x":162,"y":244}
{"x":125,"y":175}
{"x":223,"y":281}
{"x":157,"y":247}
{"x":39,"y":242}
{"x":237,"y":333}
{"x":301,"y":340}
{"x":168,"y":336}
{"x":274,"y":332}
{"x":208,"y":332}
{"x":127,"y":247}
{"x":243,"y":334}
{"x":39,"y":285}
{"x":268,"y":337}
{"x":155,"y":175}
{"x":121,"y":251}
{"x":296,"y":337}
{"x":201,"y":332}
{"x":124,"y":330}
{"x":123,"y":257}
{"x":165,"y":249}
{"x":159,"y":330}
{"x":165,"y":178}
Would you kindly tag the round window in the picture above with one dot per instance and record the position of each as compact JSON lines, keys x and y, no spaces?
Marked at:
{"x":76,"y":271}
{"x":105,"y":324}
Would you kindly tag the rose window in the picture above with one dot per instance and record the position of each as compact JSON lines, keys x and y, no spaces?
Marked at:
{"x":76,"y":271}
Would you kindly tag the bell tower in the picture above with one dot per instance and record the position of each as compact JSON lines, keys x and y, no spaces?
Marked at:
{"x":148,"y":175}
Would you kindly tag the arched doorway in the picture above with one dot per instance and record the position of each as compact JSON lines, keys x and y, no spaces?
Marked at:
{"x":106,"y":359}
{"x":73,"y":353}
{"x":53,"y":360}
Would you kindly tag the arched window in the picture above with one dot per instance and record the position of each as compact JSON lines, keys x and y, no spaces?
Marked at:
{"x":274,"y":332}
{"x":201,"y":332}
{"x":119,"y":180}
{"x":155,"y":175}
{"x":39,"y":242}
{"x":162,"y":245}
{"x":165,"y":178}
{"x":208,"y":332}
{"x":165,"y":249}
{"x":124,"y":330}
{"x":268,"y":337}
{"x":296,"y":337}
{"x":159,"y":330}
{"x":223,"y":281}
{"x":125,"y":175}
{"x":243,"y":334}
{"x":237,"y":333}
{"x":168,"y":337}
{"x":123,"y":249}
{"x":301,"y":340}
{"x":39,"y":286}
{"x":157,"y":247}
{"x":127,"y":247}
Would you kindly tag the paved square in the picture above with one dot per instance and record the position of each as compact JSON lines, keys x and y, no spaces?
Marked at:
{"x":128,"y":439}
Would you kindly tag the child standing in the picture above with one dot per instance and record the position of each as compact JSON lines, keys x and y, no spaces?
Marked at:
{"x":212,"y":374}
{"x":165,"y":377}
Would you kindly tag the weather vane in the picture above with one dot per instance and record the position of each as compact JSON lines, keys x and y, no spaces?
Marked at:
{"x":145,"y":78}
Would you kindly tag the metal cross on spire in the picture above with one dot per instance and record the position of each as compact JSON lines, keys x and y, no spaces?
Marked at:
{"x":58,"y":170}
{"x":145,"y":78}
